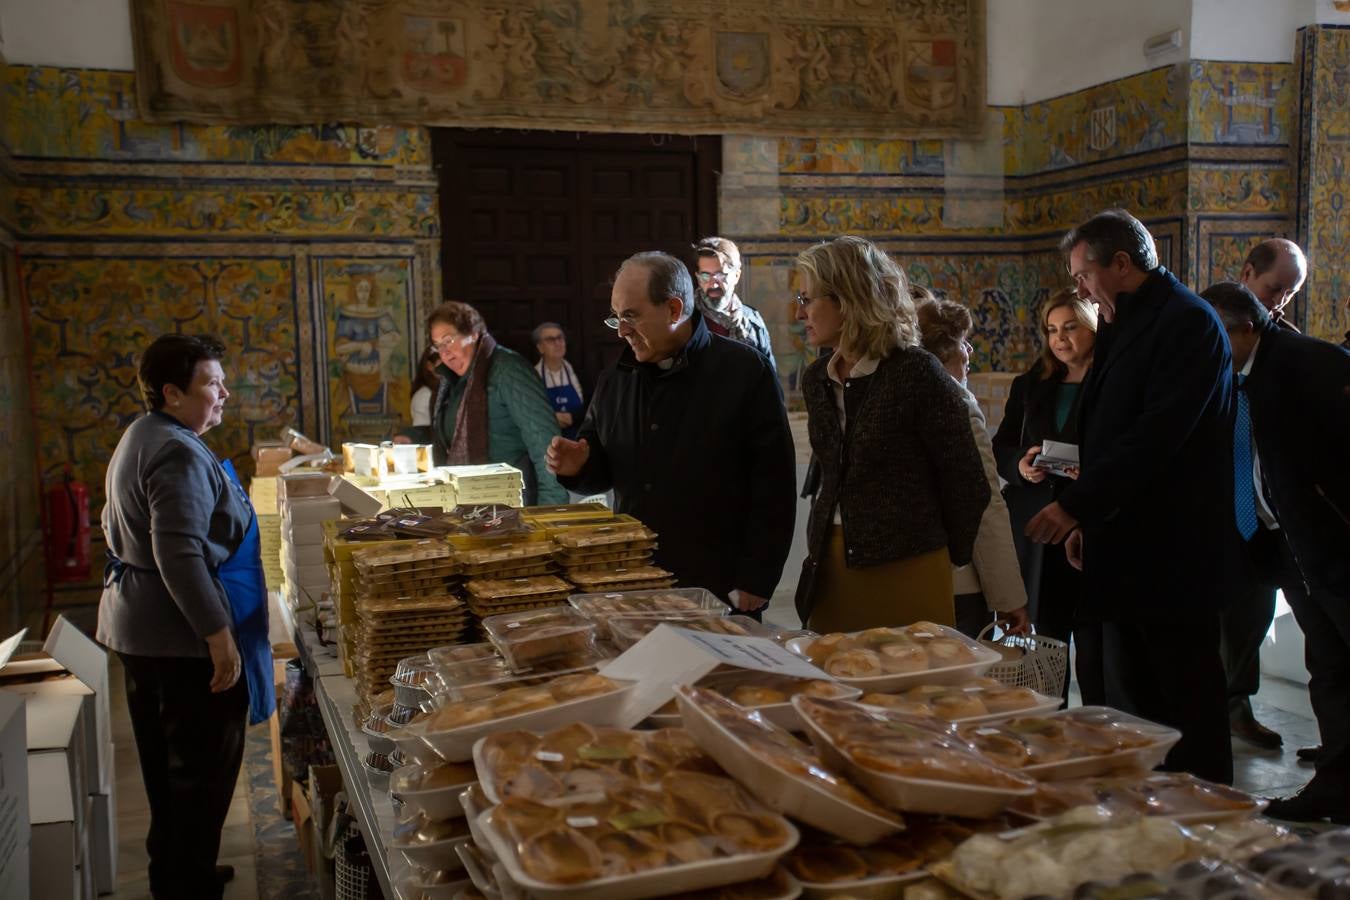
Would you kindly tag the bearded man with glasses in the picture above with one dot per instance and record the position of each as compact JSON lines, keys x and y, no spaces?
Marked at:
{"x":719,"y":272}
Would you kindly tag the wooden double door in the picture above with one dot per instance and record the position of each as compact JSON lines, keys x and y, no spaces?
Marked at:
{"x":535,"y":224}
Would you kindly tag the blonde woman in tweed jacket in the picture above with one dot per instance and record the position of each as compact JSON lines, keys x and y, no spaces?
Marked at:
{"x":902,"y":487}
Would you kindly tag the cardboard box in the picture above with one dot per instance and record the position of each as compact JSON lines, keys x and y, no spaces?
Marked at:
{"x":15,"y":829}
{"x":293,"y":533}
{"x":55,"y":727}
{"x":305,"y":554}
{"x":295,"y":486}
{"x":324,"y":784}
{"x":71,"y":664}
{"x":303,"y":819}
{"x":354,"y":500}
{"x":56,"y":843}
{"x":103,"y":839}
{"x":311,"y":510}
{"x":268,"y":457}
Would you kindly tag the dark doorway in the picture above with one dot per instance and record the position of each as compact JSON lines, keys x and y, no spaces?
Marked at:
{"x":535,"y":223}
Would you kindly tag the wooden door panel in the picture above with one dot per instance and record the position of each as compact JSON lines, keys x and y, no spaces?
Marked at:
{"x":534,"y":225}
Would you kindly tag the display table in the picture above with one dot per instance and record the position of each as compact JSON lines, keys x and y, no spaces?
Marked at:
{"x":336,"y":696}
{"x":373,"y":807}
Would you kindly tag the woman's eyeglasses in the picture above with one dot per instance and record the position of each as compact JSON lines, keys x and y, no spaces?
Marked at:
{"x":458,"y":340}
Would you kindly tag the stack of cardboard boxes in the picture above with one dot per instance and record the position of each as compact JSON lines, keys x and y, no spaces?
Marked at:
{"x":66,"y":844}
{"x":305,"y":506}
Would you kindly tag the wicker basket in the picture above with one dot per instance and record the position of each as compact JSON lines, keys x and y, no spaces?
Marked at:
{"x":353,"y":872}
{"x":1042,"y":667}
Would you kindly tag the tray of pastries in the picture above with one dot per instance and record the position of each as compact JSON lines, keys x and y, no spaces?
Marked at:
{"x":1051,"y":859}
{"x":767,"y":693}
{"x":909,"y":763}
{"x":625,"y":631}
{"x":589,"y":538}
{"x":582,"y":761}
{"x":1199,"y":879}
{"x":1072,"y":743}
{"x":827,"y":867}
{"x":693,"y":832}
{"x":978,"y":700}
{"x":388,"y":559}
{"x":432,"y":790}
{"x":1178,"y":795}
{"x":887,"y":659}
{"x":526,"y":639}
{"x":783,"y":772}
{"x":476,"y":678}
{"x":451,"y":729}
{"x":671,"y":603}
{"x":616,"y":578}
{"x":430,"y":843}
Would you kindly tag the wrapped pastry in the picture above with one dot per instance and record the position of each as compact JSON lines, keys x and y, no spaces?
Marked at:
{"x":529,"y":638}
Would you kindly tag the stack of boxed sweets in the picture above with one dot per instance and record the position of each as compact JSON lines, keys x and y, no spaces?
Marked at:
{"x":494,"y":483}
{"x":262,"y":493}
{"x":521,"y":779}
{"x":508,"y":561}
{"x":305,"y":507}
{"x":406,"y":599}
{"x":615,"y":556}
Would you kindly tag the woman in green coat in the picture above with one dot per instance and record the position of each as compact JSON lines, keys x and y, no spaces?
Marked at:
{"x":490,"y":406}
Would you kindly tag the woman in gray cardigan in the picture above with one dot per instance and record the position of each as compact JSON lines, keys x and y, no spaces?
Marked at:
{"x":173,"y":519}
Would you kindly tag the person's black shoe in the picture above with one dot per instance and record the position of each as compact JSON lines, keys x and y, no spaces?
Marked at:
{"x":1302,"y":807}
{"x":224,"y":874}
{"x":1244,"y":725}
{"x":1308,"y":754}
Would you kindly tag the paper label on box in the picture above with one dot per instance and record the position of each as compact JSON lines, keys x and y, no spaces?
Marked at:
{"x":671,"y":655}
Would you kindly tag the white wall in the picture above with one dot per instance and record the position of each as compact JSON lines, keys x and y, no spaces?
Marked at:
{"x":1008,"y":29}
{"x":90,"y":34}
{"x":1247,"y":30}
{"x":1074,"y":44}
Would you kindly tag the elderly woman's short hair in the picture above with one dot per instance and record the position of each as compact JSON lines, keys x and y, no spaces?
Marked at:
{"x":172,"y":359}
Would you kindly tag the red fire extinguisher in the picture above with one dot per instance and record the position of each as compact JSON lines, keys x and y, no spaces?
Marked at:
{"x":67,"y":507}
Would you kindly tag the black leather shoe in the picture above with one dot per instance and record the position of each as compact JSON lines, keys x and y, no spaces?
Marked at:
{"x":224,"y":874}
{"x":1308,"y":754}
{"x":1304,"y":807}
{"x":1244,"y":725}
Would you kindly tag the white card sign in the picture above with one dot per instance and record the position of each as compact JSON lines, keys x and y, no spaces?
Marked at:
{"x":671,"y":655}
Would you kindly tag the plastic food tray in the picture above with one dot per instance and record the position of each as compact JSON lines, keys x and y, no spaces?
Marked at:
{"x":456,"y":744}
{"x":920,"y":795}
{"x":529,"y":638}
{"x":434,"y":803}
{"x":625,"y":631}
{"x":475,"y":803}
{"x":435,"y":855}
{"x":883,"y":887}
{"x":985,"y":658}
{"x":641,"y":603}
{"x":377,"y":773}
{"x":1101,"y":789}
{"x":376,"y":728}
{"x":652,"y":883}
{"x":1044,"y":704}
{"x":779,"y":790}
{"x":1142,"y":758}
{"x":784,"y":714}
{"x":447,"y":891}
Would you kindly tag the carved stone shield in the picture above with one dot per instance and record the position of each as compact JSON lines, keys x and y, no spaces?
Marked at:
{"x":742,"y":63}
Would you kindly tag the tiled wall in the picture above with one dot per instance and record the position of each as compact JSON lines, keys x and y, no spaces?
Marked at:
{"x":1200,"y":151}
{"x":312,"y":252}
{"x":20,"y":556}
{"x":1323,"y":151}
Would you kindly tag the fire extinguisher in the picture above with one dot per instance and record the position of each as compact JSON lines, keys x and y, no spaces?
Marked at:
{"x":67,"y":507}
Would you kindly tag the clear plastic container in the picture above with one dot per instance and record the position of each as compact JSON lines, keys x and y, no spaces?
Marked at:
{"x":1072,"y":743}
{"x":1315,"y":867}
{"x":698,"y":831}
{"x":455,"y":653}
{"x":434,"y":790}
{"x":980,"y":700}
{"x":632,"y":604}
{"x":526,"y":639}
{"x":784,"y":773}
{"x":617,"y":578}
{"x":590,"y":537}
{"x":828,"y":868}
{"x":430,"y":843}
{"x":625,"y":631}
{"x":536,"y":704}
{"x":768,"y":694}
{"x":887,"y":659}
{"x":1178,"y":795}
{"x":582,"y":761}
{"x":909,"y":763}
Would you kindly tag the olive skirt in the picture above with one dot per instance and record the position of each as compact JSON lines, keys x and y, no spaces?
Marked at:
{"x":894,"y":593}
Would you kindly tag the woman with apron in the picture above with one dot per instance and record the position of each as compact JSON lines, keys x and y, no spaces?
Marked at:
{"x":184,"y":606}
{"x":560,"y":379}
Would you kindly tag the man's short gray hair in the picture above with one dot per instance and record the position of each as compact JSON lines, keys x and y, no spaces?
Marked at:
{"x":1113,"y":231}
{"x":538,"y":334}
{"x":1236,"y":305}
{"x":667,"y":278}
